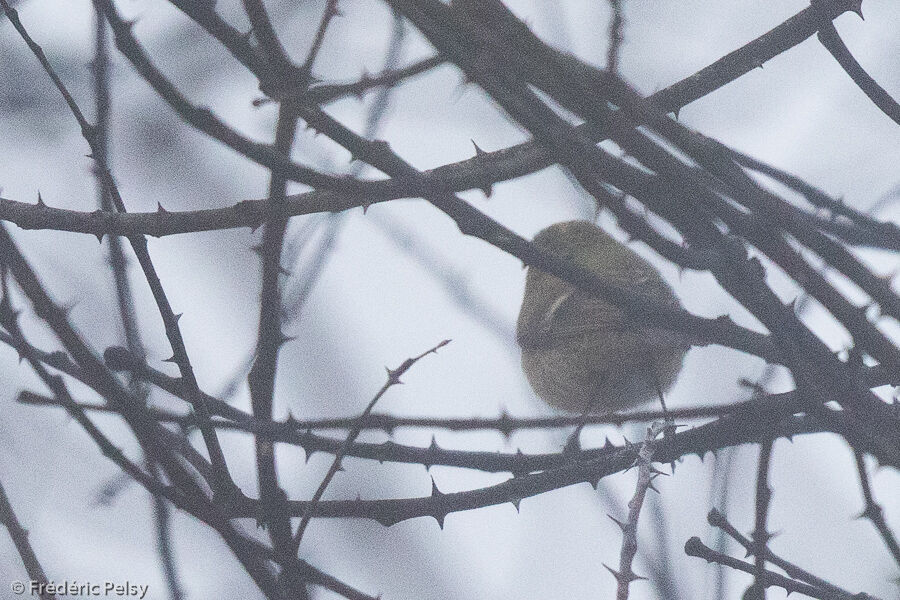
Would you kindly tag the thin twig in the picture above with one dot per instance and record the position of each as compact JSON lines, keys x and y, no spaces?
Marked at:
{"x":331,"y":11}
{"x":718,"y":520}
{"x":720,"y":497}
{"x":646,"y":473}
{"x":379,"y":108}
{"x":694,"y":547}
{"x":325,"y":93}
{"x":270,"y":340}
{"x":761,"y":534}
{"x":832,"y":41}
{"x":392,"y":380}
{"x":616,"y":37}
{"x":276,"y":57}
{"x":37,"y":577}
{"x":454,"y":281}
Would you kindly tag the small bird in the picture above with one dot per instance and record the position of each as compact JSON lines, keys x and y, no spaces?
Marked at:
{"x":580,"y":352}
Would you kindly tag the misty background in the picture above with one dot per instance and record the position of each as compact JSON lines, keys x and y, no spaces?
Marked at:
{"x":369,"y":290}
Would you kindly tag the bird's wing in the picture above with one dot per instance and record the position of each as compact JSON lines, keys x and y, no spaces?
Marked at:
{"x":575,"y":312}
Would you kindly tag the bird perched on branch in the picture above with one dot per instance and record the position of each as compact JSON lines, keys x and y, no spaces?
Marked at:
{"x":582,"y":353}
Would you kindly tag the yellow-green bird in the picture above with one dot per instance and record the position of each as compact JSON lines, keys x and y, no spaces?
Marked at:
{"x":579,"y":351}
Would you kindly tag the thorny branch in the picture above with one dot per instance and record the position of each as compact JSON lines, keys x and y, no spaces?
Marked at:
{"x":222,"y":478}
{"x":694,"y":547}
{"x":646,"y":474}
{"x":393,"y":379}
{"x":696,"y":185}
{"x":717,"y":519}
{"x":23,"y":546}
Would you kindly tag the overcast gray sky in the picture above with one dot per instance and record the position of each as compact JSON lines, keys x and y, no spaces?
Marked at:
{"x":377,"y":302}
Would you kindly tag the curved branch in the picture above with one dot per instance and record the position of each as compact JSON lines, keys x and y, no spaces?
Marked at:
{"x":829,"y":38}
